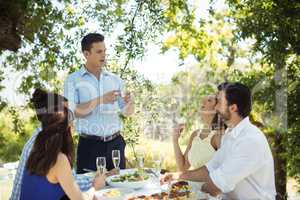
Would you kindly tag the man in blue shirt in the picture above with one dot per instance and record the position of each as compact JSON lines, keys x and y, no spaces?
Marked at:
{"x":95,"y":98}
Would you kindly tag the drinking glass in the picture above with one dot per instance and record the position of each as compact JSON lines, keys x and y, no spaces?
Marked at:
{"x":141,"y":161}
{"x":157,"y":160}
{"x":116,"y":158}
{"x":101,"y":164}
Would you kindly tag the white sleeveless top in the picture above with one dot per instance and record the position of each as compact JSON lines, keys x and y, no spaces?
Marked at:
{"x":201,"y":151}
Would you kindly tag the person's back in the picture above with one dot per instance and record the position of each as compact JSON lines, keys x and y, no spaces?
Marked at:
{"x":36,"y":187}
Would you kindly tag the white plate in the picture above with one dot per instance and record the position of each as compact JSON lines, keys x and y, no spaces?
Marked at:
{"x":102,"y":194}
{"x":196,"y":187}
{"x":90,"y":174}
{"x":127,"y":171}
{"x":145,"y":192}
{"x":127,"y":184}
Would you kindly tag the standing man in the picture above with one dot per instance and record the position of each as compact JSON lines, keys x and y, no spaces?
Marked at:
{"x":95,"y":98}
{"x":243,"y":167}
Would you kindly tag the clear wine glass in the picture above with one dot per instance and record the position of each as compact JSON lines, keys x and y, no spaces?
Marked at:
{"x":101,"y":164}
{"x":157,"y":160}
{"x":116,"y":158}
{"x":141,"y":161}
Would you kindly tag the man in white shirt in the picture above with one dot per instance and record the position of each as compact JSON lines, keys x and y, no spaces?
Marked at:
{"x":243,"y":168}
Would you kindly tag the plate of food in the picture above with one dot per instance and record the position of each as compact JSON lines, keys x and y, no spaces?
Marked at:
{"x":112,"y":193}
{"x":160,"y":195}
{"x":132,"y":179}
{"x":179,"y":190}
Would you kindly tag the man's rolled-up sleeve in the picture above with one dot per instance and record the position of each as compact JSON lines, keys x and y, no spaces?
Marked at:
{"x":246,"y":159}
{"x":214,"y":162}
{"x":71,"y":94}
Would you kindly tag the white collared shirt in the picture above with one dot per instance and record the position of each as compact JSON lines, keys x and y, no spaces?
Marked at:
{"x":243,"y":168}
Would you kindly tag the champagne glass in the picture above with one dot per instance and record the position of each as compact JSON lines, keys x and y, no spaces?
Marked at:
{"x":140,"y":158}
{"x":141,"y":161}
{"x":157,"y":160}
{"x":116,"y":158}
{"x":101,"y":164}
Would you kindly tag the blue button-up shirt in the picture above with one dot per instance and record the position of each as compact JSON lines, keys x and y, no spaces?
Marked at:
{"x":81,"y":87}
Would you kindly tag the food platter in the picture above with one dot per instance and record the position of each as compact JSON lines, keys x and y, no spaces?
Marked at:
{"x":180,"y":190}
{"x":112,"y":193}
{"x":129,"y":179}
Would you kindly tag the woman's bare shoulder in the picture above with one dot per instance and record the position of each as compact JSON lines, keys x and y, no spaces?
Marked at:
{"x":62,"y":159}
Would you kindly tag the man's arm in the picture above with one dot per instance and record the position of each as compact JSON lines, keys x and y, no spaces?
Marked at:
{"x":198,"y":175}
{"x":126,"y":104}
{"x":125,"y":100}
{"x":128,"y":109}
{"x":16,"y":191}
{"x":86,"y":108}
{"x":83,"y":109}
{"x":236,"y":167}
{"x":211,"y":188}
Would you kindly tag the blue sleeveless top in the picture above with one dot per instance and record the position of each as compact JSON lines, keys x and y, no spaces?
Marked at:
{"x":36,"y":187}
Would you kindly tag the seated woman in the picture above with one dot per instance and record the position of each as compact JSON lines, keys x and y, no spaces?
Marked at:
{"x":41,"y":99}
{"x":48,"y":172}
{"x":202,"y":144}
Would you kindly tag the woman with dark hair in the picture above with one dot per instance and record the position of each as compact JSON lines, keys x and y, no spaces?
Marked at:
{"x":202,"y":143}
{"x":41,"y":100}
{"x":48,"y":172}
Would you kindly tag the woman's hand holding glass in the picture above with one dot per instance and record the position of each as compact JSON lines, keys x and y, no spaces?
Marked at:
{"x":177,"y":131}
{"x":99,"y":181}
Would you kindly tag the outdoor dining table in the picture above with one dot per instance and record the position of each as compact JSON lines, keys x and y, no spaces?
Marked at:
{"x":152,"y":187}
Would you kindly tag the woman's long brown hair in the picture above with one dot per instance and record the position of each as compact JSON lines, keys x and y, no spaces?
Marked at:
{"x":54,"y":138}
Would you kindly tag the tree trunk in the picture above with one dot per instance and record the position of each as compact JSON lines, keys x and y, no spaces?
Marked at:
{"x":9,"y":40}
{"x":10,"y":13}
{"x":280,"y":79}
{"x":280,"y":166}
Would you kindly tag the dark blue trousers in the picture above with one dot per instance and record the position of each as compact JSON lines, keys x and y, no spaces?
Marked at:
{"x":89,"y":149}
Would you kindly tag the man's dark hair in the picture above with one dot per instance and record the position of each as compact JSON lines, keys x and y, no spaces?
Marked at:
{"x":239,"y":94}
{"x":89,"y":39}
{"x":222,"y":86}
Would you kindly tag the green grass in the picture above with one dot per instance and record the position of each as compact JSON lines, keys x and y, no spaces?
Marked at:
{"x":151,"y":148}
